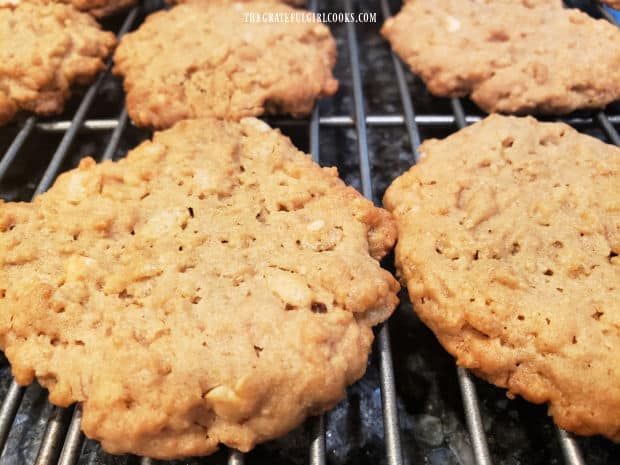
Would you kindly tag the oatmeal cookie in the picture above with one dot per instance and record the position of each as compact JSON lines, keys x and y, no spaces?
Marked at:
{"x":203,"y":59}
{"x":509,"y":235}
{"x":101,"y":8}
{"x":216,"y":286}
{"x":45,"y":48}
{"x":510,"y":56}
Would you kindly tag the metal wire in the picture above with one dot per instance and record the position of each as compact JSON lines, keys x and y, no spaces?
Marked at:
{"x":459,"y":113}
{"x":73,"y":441}
{"x":606,"y":14}
{"x":611,"y":132}
{"x":235,"y":458}
{"x":16,"y":145}
{"x":570,"y":449}
{"x":360,"y":112}
{"x":405,"y":95}
{"x":317,"y":444}
{"x":10,"y":405}
{"x":80,"y":115}
{"x":388,"y":389}
{"x":338,"y":121}
{"x":55,"y":430}
{"x":313,"y":135}
{"x":473,"y":417}
{"x":116,"y":136}
{"x":89,"y":125}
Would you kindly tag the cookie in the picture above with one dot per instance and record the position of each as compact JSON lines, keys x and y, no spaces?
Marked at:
{"x":45,"y":49}
{"x":97,"y":8}
{"x":101,"y":8}
{"x":216,"y":286}
{"x":298,"y":3}
{"x":510,"y":56}
{"x":509,"y":234}
{"x":202,"y":59}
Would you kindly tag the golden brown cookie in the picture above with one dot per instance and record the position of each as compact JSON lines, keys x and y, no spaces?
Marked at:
{"x":101,"y":8}
{"x":216,"y":286}
{"x":97,"y":8}
{"x":44,"y":49}
{"x":511,"y":56}
{"x":204,"y":58}
{"x":298,"y":3}
{"x":509,"y":234}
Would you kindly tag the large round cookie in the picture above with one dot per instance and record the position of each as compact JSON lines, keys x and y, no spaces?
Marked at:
{"x":44,"y":48}
{"x":217,"y":286}
{"x":509,"y":234}
{"x":97,"y":8}
{"x":511,"y":56}
{"x":203,"y":59}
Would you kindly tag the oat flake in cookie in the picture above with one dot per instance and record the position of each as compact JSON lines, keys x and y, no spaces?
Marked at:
{"x":44,"y":49}
{"x":509,"y":235}
{"x":202,"y":59}
{"x":510,"y":56}
{"x":216,"y":286}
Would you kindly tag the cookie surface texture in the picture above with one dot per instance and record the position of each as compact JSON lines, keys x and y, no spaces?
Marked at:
{"x":216,"y":286}
{"x":101,"y":8}
{"x":207,"y":59}
{"x":297,"y":3}
{"x":509,"y":234}
{"x":510,"y":56}
{"x":44,"y":49}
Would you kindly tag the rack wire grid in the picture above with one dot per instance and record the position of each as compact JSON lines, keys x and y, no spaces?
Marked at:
{"x":59,"y":439}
